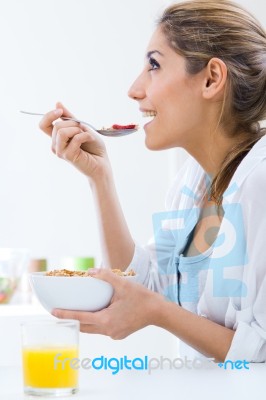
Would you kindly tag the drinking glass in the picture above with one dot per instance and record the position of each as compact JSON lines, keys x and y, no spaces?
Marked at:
{"x":50,"y":357}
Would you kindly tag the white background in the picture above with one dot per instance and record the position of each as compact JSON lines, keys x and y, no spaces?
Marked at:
{"x":85,"y":53}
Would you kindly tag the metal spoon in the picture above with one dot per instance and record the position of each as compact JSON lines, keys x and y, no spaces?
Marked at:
{"x":105,"y":132}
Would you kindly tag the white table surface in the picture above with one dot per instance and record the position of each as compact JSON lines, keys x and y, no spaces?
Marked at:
{"x":215,"y":384}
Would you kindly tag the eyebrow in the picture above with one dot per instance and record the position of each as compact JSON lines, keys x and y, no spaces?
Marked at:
{"x":150,"y":53}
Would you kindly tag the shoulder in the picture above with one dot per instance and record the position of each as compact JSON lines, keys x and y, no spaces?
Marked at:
{"x":249,"y":179}
{"x":255,"y":182}
{"x":251,"y":194}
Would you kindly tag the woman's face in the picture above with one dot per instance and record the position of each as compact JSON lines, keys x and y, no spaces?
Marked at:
{"x":173,"y":97}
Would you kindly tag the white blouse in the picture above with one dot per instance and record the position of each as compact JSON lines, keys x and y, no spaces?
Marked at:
{"x":232,"y":291}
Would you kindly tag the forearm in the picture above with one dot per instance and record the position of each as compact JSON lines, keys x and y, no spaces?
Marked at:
{"x":205,"y":336}
{"x":116,"y":241}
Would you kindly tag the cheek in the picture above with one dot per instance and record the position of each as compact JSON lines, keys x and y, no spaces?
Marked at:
{"x":171,"y":97}
{"x":181,"y":106}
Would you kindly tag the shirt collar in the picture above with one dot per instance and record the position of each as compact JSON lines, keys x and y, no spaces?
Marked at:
{"x":247,"y":165}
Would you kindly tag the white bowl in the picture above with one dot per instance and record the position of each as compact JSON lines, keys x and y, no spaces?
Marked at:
{"x":71,"y":293}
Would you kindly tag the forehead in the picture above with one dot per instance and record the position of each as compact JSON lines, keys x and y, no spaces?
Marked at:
{"x":158,"y":41}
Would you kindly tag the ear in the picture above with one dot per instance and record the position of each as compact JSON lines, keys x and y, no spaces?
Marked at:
{"x":215,"y":79}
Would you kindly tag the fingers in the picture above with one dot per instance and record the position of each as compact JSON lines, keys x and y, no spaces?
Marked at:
{"x":90,"y":322}
{"x":46,"y":123}
{"x":107,"y":275}
{"x":60,"y":128}
{"x":73,"y":145}
{"x":84,"y":317}
{"x":86,"y":328}
{"x":66,"y":112}
{"x":63,"y":139}
{"x":73,"y":151}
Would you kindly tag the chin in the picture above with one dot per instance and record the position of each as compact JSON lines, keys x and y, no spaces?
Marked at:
{"x":154,"y":145}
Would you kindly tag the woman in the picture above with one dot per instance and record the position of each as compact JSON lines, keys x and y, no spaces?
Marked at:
{"x":204,"y":82}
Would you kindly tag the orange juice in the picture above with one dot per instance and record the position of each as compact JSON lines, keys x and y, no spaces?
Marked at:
{"x":49,"y":367}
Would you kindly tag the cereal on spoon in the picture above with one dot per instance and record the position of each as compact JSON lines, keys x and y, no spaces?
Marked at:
{"x":118,"y":127}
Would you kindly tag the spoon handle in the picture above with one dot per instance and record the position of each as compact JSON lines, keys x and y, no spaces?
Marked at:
{"x":31,"y":113}
{"x":64,"y":118}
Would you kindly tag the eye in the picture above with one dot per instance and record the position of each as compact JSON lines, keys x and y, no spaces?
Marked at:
{"x":154,"y":64}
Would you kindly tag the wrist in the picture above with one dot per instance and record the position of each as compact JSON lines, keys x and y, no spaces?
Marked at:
{"x":162,"y":312}
{"x":158,"y":309}
{"x":102,"y":176}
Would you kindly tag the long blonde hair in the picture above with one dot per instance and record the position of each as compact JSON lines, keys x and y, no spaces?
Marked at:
{"x":202,"y":29}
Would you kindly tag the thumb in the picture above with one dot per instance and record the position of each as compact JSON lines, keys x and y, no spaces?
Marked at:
{"x":66,"y":112}
{"x":106,"y":275}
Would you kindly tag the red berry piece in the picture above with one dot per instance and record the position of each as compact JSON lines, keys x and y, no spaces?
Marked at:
{"x":118,"y":127}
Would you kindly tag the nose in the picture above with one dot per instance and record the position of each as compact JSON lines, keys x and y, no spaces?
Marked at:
{"x":137,"y":89}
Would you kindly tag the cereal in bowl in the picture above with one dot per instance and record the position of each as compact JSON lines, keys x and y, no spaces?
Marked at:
{"x":68,"y":273}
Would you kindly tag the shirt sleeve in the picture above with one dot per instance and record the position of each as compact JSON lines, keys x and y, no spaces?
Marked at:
{"x":249,"y":341}
{"x":154,"y":263}
{"x":145,"y":264}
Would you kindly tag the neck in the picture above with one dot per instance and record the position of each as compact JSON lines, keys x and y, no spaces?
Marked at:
{"x":211,"y":154}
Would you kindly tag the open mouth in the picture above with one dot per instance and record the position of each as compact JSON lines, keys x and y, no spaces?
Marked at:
{"x":149,"y":114}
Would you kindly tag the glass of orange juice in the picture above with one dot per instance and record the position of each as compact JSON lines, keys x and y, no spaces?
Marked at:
{"x":50,"y":357}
